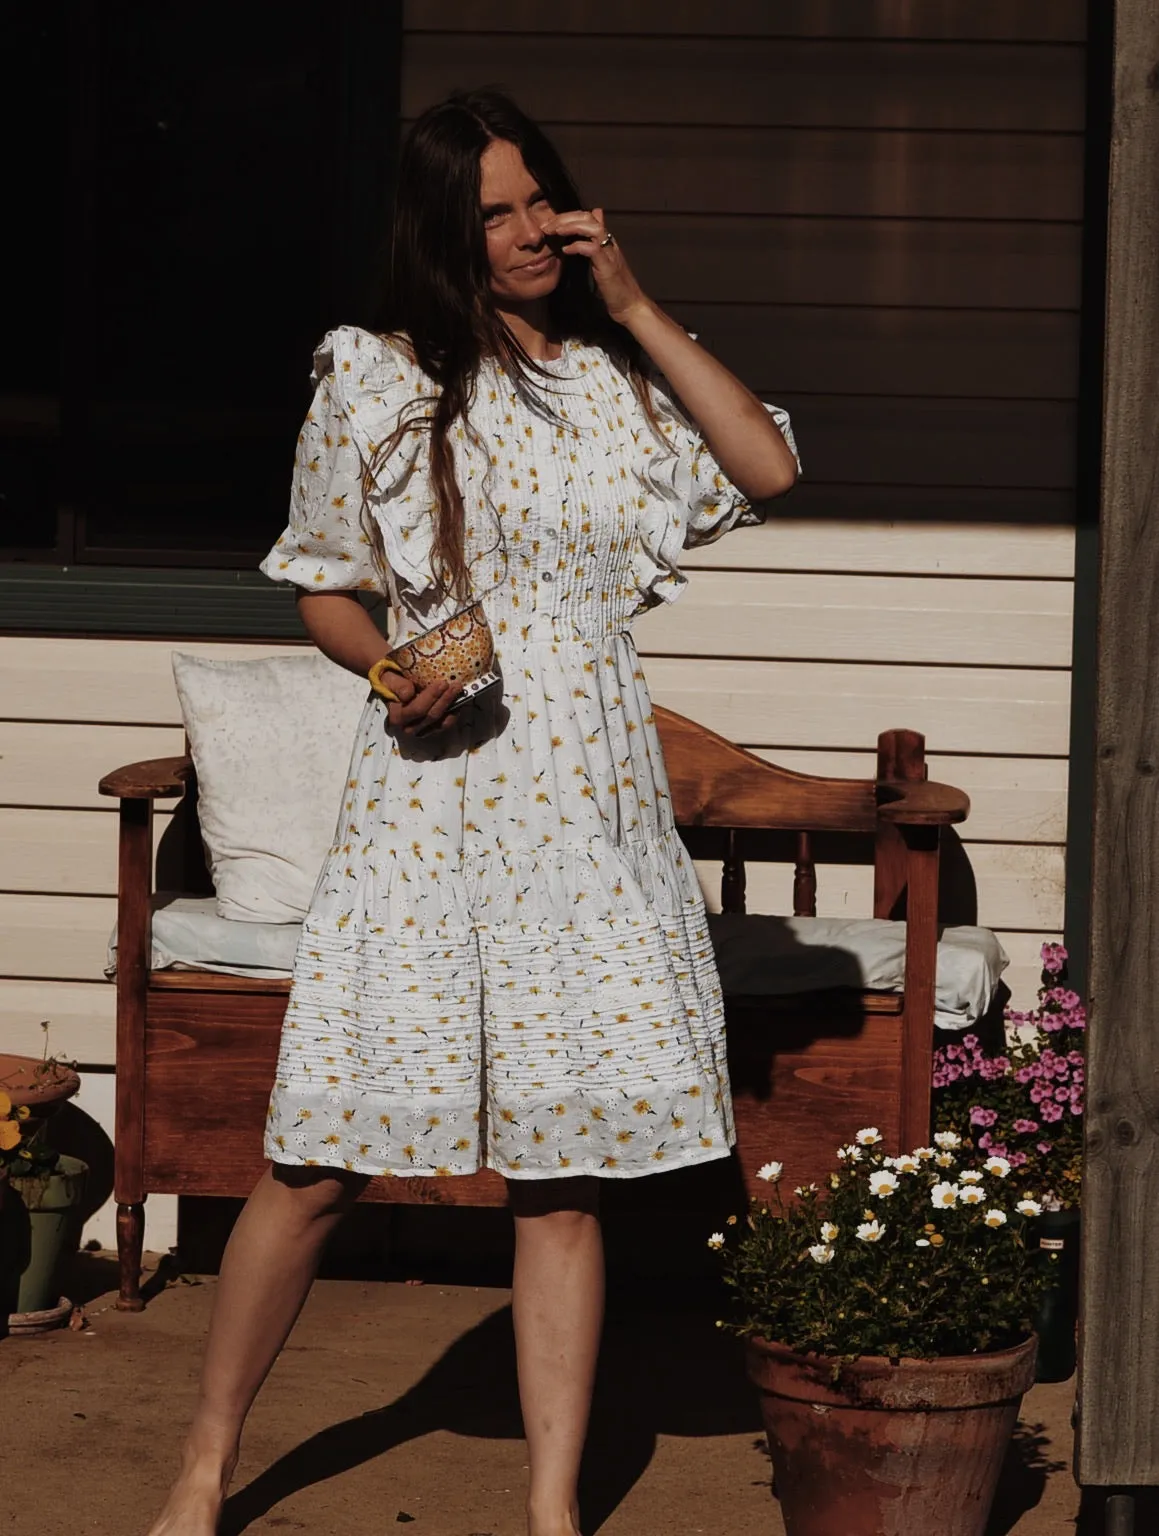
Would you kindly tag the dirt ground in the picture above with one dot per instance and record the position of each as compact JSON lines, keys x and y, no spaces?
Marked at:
{"x":394,"y":1405}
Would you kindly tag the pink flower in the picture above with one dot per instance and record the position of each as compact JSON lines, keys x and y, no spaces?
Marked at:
{"x":1045,"y":1146}
{"x":1026,"y":1127}
{"x":1018,"y":1159}
{"x":1062,"y":1094}
{"x":1050,"y":1111}
{"x":1038,"y":1093}
{"x":984,"y":1141}
{"x":1054,"y":958}
{"x":952,"y":1073}
{"x":1076,"y":1106}
{"x":982,"y":1117}
{"x":970,"y":1042}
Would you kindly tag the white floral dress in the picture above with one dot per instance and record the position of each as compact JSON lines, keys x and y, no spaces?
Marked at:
{"x":506,"y":961}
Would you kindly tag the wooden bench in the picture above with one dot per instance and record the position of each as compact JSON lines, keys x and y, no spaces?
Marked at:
{"x":196,"y":1050}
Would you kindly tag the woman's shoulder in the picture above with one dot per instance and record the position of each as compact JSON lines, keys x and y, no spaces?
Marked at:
{"x":368,"y":360}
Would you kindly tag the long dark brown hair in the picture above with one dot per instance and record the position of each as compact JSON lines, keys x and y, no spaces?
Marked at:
{"x":439,"y":293}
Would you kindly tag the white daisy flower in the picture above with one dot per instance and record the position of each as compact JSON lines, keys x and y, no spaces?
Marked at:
{"x":943,"y":1196}
{"x":971,"y":1194}
{"x":969,"y":1176}
{"x":716,"y":1240}
{"x":821,"y":1253}
{"x":829,"y":1231}
{"x":848,"y":1154}
{"x":944,"y":1159}
{"x":870,"y":1231}
{"x":924,"y":1153}
{"x":1028,"y":1207}
{"x":907,"y":1163}
{"x":770,"y":1172}
{"x":998,"y":1166}
{"x":995,"y":1218}
{"x":869,"y":1137}
{"x":922,"y":1242}
{"x":882,"y":1183}
{"x":947,"y":1139}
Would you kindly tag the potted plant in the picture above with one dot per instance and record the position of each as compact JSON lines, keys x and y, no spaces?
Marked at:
{"x":888,"y":1326}
{"x":43,"y":1191}
{"x":1026,"y":1104}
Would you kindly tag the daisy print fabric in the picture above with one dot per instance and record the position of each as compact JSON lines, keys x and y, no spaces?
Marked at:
{"x":506,"y":963}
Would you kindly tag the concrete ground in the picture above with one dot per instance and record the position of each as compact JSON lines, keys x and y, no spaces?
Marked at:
{"x":394,"y":1404}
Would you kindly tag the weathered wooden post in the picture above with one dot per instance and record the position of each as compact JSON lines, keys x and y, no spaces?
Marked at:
{"x":1118,"y":1440}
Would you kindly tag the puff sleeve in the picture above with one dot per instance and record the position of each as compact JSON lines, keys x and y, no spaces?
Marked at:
{"x":363,"y":386}
{"x":690,"y":501}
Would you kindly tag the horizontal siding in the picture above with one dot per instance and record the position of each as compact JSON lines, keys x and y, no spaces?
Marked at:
{"x":875,"y":618}
{"x":876,"y":441}
{"x":902,"y":262}
{"x":1059,"y":21}
{"x":45,"y":763}
{"x":62,"y":852}
{"x":82,"y":1019}
{"x":58,"y":938}
{"x":847,"y":704}
{"x":872,"y":546}
{"x":822,"y":349}
{"x":1019,"y":888}
{"x":104,"y":682}
{"x":712,"y":81}
{"x":1012,"y":799}
{"x":826,"y":172}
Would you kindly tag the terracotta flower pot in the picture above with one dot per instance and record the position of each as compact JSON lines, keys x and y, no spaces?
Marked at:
{"x":912,"y":1449}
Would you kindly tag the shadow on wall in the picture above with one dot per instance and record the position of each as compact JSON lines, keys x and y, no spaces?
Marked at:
{"x":78,"y":1135}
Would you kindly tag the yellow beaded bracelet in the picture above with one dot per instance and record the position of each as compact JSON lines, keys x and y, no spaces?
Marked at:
{"x":376,"y":675}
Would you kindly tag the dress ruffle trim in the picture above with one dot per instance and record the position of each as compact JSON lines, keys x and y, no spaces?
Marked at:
{"x":692,"y":500}
{"x":375,"y":381}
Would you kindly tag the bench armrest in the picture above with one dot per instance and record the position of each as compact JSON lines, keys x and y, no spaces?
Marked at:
{"x":920,"y":804}
{"x":154,"y":779}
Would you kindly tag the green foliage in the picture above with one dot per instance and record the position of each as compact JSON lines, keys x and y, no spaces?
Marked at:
{"x":922,"y":1256}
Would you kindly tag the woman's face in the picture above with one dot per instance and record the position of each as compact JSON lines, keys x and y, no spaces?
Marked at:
{"x":523,"y":266}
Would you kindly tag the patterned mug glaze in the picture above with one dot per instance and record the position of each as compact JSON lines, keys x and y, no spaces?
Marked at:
{"x":459,"y":650}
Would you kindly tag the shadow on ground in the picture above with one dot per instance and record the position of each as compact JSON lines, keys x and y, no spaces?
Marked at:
{"x":661,"y":1374}
{"x":1027,"y":1466}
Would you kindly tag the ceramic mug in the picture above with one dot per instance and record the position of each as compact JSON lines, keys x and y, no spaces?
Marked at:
{"x":459,"y":650}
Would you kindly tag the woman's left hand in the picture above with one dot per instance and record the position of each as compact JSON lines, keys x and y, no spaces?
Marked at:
{"x":580,"y":233}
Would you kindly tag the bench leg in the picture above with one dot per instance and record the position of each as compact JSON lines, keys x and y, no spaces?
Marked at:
{"x":130,"y":1245}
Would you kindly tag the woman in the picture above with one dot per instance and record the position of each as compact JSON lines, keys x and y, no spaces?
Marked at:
{"x":506,"y":962}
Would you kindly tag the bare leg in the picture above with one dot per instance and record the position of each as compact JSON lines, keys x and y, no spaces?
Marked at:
{"x":558,"y":1311}
{"x":269,"y":1265}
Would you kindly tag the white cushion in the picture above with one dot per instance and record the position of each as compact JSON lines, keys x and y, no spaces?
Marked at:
{"x":188,"y":934}
{"x":271,"y":741}
{"x":777,"y":956}
{"x":758,"y":956}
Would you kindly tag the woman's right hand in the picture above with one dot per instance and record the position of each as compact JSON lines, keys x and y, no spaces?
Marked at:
{"x":420,"y":711}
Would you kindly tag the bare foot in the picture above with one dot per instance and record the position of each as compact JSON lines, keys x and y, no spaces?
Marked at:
{"x":194,"y":1503}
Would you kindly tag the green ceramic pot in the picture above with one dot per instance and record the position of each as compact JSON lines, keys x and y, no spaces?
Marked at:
{"x":39,"y":1226}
